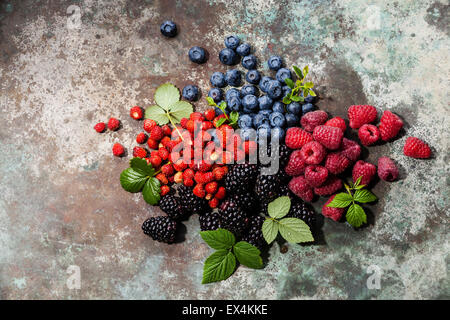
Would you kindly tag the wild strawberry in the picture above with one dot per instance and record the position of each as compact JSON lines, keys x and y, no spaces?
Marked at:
{"x":213,"y":203}
{"x":149,"y":124}
{"x":179,"y":165}
{"x":190,"y":126}
{"x":250,"y":147}
{"x":221,"y":193}
{"x":196,"y":116}
{"x":167,"y":131}
{"x":163,"y":153}
{"x":178,"y":177}
{"x":152,"y":144}
{"x":219,"y":173}
{"x":211,"y":187}
{"x":188,"y":182}
{"x":199,"y":190}
{"x":141,"y":138}
{"x":154,"y":153}
{"x":113,"y":124}
{"x":216,"y":119}
{"x":206,"y":125}
{"x":164,"y":190}
{"x":368,"y":134}
{"x":416,"y":148}
{"x":209,"y":196}
{"x":118,"y":150}
{"x":362,"y":114}
{"x":183,"y":122}
{"x":208,"y":177}
{"x":100,"y":127}
{"x":202,"y":166}
{"x":164,"y":140}
{"x":162,"y":178}
{"x":156,"y":133}
{"x":139,"y":152}
{"x":136,"y":113}
{"x":210,"y":114}
{"x":155,"y":161}
{"x":148,"y":160}
{"x":198,"y":177}
{"x":167,"y":169}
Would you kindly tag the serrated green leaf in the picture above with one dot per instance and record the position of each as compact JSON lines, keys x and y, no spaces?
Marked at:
{"x":140,"y":164}
{"x":279,"y":207}
{"x":298,"y":72}
{"x":355,"y":215}
{"x":211,"y":101}
{"x":358,"y":181}
{"x":364,"y":196}
{"x":248,"y":255}
{"x":166,"y":95}
{"x":156,"y":113}
{"x":219,"y":266}
{"x":341,"y":200}
{"x":152,"y":191}
{"x":295,"y":230}
{"x":133,"y":180}
{"x":270,"y":230}
{"x":289,"y":83}
{"x":180,"y":110}
{"x":218,"y":239}
{"x":359,"y":187}
{"x":309,"y":85}
{"x":220,"y":122}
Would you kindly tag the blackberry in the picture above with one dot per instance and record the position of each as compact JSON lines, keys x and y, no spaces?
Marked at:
{"x":300,"y":210}
{"x":254,"y":234}
{"x":233,"y":218}
{"x":247,"y":201}
{"x":240,"y":178}
{"x":170,"y":204}
{"x":160,"y":228}
{"x":209,"y":221}
{"x":283,"y":158}
{"x":267,"y":187}
{"x":190,"y":202}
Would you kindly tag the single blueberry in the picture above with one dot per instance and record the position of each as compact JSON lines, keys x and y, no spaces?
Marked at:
{"x":275,"y":63}
{"x":250,"y":102}
{"x":228,"y":57}
{"x":218,"y":80}
{"x":294,"y":107}
{"x":243,"y":49}
{"x":218,"y":111}
{"x":310,"y":99}
{"x":265,"y":103}
{"x":249,"y":62}
{"x":264,"y":82}
{"x":307,"y":108}
{"x":234,"y":103}
{"x":278,"y":134}
{"x":253,"y":76}
{"x":245,"y":121}
{"x":266,"y":112}
{"x":191,"y":92}
{"x":232,"y":92}
{"x":168,"y":28}
{"x":233,"y":78}
{"x":197,"y":54}
{"x":282,"y":74}
{"x":249,"y":89}
{"x":263,"y":132}
{"x":277,"y":119}
{"x":278,"y":107}
{"x":232,"y":42}
{"x":286,"y":91}
{"x":260,"y":119}
{"x":291,"y":120}
{"x":216,"y":94}
{"x":248,"y":134}
{"x":274,"y":90}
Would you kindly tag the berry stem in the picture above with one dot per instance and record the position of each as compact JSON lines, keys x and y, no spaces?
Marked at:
{"x":173,"y":124}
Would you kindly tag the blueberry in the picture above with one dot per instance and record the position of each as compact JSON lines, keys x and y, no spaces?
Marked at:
{"x":291,"y":120}
{"x":277,"y":119}
{"x":218,"y":80}
{"x":274,"y":90}
{"x":234,"y":103}
{"x":275,"y":63}
{"x":265,"y":103}
{"x":228,"y":57}
{"x":169,"y":29}
{"x":264,"y":82}
{"x":263,"y":132}
{"x":260,"y":119}
{"x":249,"y":62}
{"x":190,"y":93}
{"x":243,"y":49}
{"x":249,"y":89}
{"x":233,"y":78}
{"x":218,"y":111}
{"x":282,"y":74}
{"x":253,"y":76}
{"x":294,"y":107}
{"x":278,"y":133}
{"x":250,"y":102}
{"x":307,"y":108}
{"x":248,"y":134}
{"x":197,"y":54}
{"x":286,"y":91}
{"x":310,"y":99}
{"x":245,"y":121}
{"x":232,"y":42}
{"x":233,"y":92}
{"x":265,"y":112}
{"x":278,"y":107}
{"x":216,"y":94}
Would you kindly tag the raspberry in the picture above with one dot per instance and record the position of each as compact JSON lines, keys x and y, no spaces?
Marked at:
{"x":210,"y":114}
{"x":390,"y":125}
{"x":301,"y":188}
{"x":387,"y":170}
{"x":316,"y":175}
{"x":139,"y":152}
{"x":296,"y":164}
{"x":297,"y":138}
{"x":199,"y":190}
{"x":332,"y":213}
{"x":313,"y":119}
{"x":149,"y":124}
{"x":416,"y":148}
{"x":329,"y":137}
{"x":136,"y":113}
{"x":330,"y":186}
{"x":221,"y":193}
{"x":368,"y":134}
{"x":164,"y":190}
{"x":152,"y":144}
{"x":113,"y":124}
{"x":250,"y":147}
{"x":100,"y":127}
{"x":337,"y":122}
{"x":313,"y":152}
{"x":118,"y":150}
{"x":167,"y":169}
{"x":336,"y":162}
{"x":156,"y":133}
{"x":155,"y":161}
{"x":362,"y":114}
{"x":141,"y":138}
{"x":167,"y":131}
{"x":350,"y":149}
{"x":365,"y":170}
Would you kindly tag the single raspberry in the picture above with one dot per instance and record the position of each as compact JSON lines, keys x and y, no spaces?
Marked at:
{"x":362,"y":114}
{"x":156,"y":133}
{"x":221,"y":193}
{"x":118,"y":150}
{"x":152,"y":144}
{"x":332,"y":213}
{"x":296,"y":164}
{"x":210,"y":114}
{"x":199,"y":190}
{"x":368,"y":134}
{"x":100,"y":127}
{"x":416,"y":148}
{"x":211,"y":187}
{"x":329,"y":137}
{"x":164,"y":190}
{"x":167,"y":131}
{"x":316,"y":175}
{"x":139,"y":152}
{"x":155,"y":161}
{"x":313,"y":119}
{"x":330,"y":186}
{"x":365,"y":170}
{"x":351,"y":149}
{"x":297,"y":138}
{"x":390,"y":125}
{"x":387,"y":170}
{"x":136,"y":113}
{"x":336,"y":162}
{"x":313,"y":152}
{"x":301,"y":188}
{"x":167,"y":169}
{"x":149,"y":124}
{"x":141,"y":138}
{"x":337,"y":122}
{"x":113,"y":124}
{"x":162,"y":178}
{"x":250,"y":147}
{"x":213,"y":203}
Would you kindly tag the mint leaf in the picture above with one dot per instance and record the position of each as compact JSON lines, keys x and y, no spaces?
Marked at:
{"x":218,"y":266}
{"x":156,"y":113}
{"x":270,"y":230}
{"x":298,"y":72}
{"x":166,"y":95}
{"x":141,"y":165}
{"x":289,"y":83}
{"x":151,"y":191}
{"x":220,"y":122}
{"x":295,"y":230}
{"x":341,"y":200}
{"x":364,"y":196}
{"x":234,"y":116}
{"x":248,"y":255}
{"x":180,"y":109}
{"x":219,"y":239}
{"x":279,"y":207}
{"x":132,"y":180}
{"x":223,"y":106}
{"x":355,"y":215}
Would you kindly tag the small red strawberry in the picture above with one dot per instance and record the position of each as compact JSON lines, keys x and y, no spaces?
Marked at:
{"x":361,"y":114}
{"x":221,"y":193}
{"x":216,"y":119}
{"x":416,"y":148}
{"x":149,"y":124}
{"x":164,"y":190}
{"x":156,"y":133}
{"x":213,"y":203}
{"x":196,"y":116}
{"x":329,"y":137}
{"x":368,"y":134}
{"x":167,"y":131}
{"x":136,"y":113}
{"x":188,"y":182}
{"x":100,"y":127}
{"x":118,"y":150}
{"x":190,"y":126}
{"x":155,"y":160}
{"x":178,"y":177}
{"x":162,"y":178}
{"x":167,"y":169}
{"x":390,"y":125}
{"x":365,"y":170}
{"x":141,"y":138}
{"x":206,"y":125}
{"x":337,"y":122}
{"x":113,"y":124}
{"x":180,"y":165}
{"x":210,"y":114}
{"x":163,"y":153}
{"x":183,"y":122}
{"x":152,"y":144}
{"x":211,"y":187}
{"x":188,"y":174}
{"x":199,"y":190}
{"x":219,"y":173}
{"x":139,"y":152}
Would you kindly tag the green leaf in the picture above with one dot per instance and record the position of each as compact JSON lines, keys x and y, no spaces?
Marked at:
{"x":296,"y":98}
{"x":223,"y":106}
{"x":152,"y":191}
{"x":220,"y":122}
{"x":305,"y":71}
{"x":359,"y":187}
{"x":289,"y":83}
{"x":179,"y":110}
{"x":270,"y":230}
{"x":295,"y":230}
{"x":286,"y":100}
{"x":218,"y":239}
{"x":357,"y":182}
{"x":355,"y":215}
{"x":219,"y":266}
{"x":312,"y":93}
{"x":248,"y":255}
{"x":234,"y":116}
{"x":341,"y":200}
{"x":140,"y":164}
{"x":156,"y":113}
{"x":166,"y":95}
{"x":279,"y":207}
{"x":309,"y":85}
{"x":298,"y":72}
{"x":132,"y":180}
{"x":364,"y":196}
{"x":211,"y":101}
